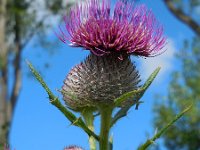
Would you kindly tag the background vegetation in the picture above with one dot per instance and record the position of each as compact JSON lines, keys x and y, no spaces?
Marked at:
{"x":22,"y":21}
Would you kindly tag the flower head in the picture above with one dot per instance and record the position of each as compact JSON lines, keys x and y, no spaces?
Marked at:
{"x":99,"y":80}
{"x":124,"y":31}
{"x":73,"y":148}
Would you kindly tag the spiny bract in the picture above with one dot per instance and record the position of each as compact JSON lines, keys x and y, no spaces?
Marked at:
{"x":99,"y":80}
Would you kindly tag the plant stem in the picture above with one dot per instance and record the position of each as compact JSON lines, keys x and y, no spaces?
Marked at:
{"x":89,"y":120}
{"x":106,"y":115}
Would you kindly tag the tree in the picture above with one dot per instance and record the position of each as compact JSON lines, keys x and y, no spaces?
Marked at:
{"x":186,"y":11}
{"x":20,"y":21}
{"x":184,"y":87}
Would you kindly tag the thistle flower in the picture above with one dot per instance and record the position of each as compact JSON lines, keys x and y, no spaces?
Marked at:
{"x":73,"y":148}
{"x":7,"y":147}
{"x":125,"y":31}
{"x":99,"y":80}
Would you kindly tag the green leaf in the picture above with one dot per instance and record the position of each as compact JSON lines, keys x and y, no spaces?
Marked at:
{"x":163,"y":130}
{"x":55,"y":101}
{"x":138,"y":93}
{"x":118,"y":101}
{"x":135,"y":94}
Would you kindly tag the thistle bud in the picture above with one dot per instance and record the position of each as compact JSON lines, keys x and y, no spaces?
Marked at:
{"x":99,"y":80}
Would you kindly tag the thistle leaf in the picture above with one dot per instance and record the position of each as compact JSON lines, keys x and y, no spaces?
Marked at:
{"x":163,"y":130}
{"x":126,"y":96}
{"x":135,"y":94}
{"x":55,"y":101}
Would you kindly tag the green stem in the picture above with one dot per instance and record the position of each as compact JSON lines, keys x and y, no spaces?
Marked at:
{"x":89,"y":120}
{"x":106,"y":115}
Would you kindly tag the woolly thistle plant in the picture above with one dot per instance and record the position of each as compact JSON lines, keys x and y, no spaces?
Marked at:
{"x":107,"y":79}
{"x":108,"y":71}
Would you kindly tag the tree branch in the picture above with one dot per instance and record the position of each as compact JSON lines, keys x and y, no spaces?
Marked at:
{"x":16,"y":64}
{"x":183,"y":17}
{"x":32,"y":33}
{"x":17,"y":80}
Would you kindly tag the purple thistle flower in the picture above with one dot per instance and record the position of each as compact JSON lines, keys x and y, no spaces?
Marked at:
{"x":7,"y":147}
{"x":73,"y":148}
{"x":126,"y":31}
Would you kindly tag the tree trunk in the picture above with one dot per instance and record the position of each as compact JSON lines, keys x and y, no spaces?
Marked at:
{"x":3,"y":76}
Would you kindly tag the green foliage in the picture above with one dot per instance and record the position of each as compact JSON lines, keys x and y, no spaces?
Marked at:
{"x":26,"y":19}
{"x":55,"y":6}
{"x":184,"y":88}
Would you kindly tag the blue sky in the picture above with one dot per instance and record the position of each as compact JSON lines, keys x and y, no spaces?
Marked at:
{"x":37,"y":125}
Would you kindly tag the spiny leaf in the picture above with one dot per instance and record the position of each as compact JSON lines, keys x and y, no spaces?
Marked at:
{"x":151,"y":78}
{"x":40,"y":80}
{"x":163,"y":130}
{"x":135,"y":94}
{"x":125,"y":96}
{"x":138,"y":93}
{"x":55,"y":101}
